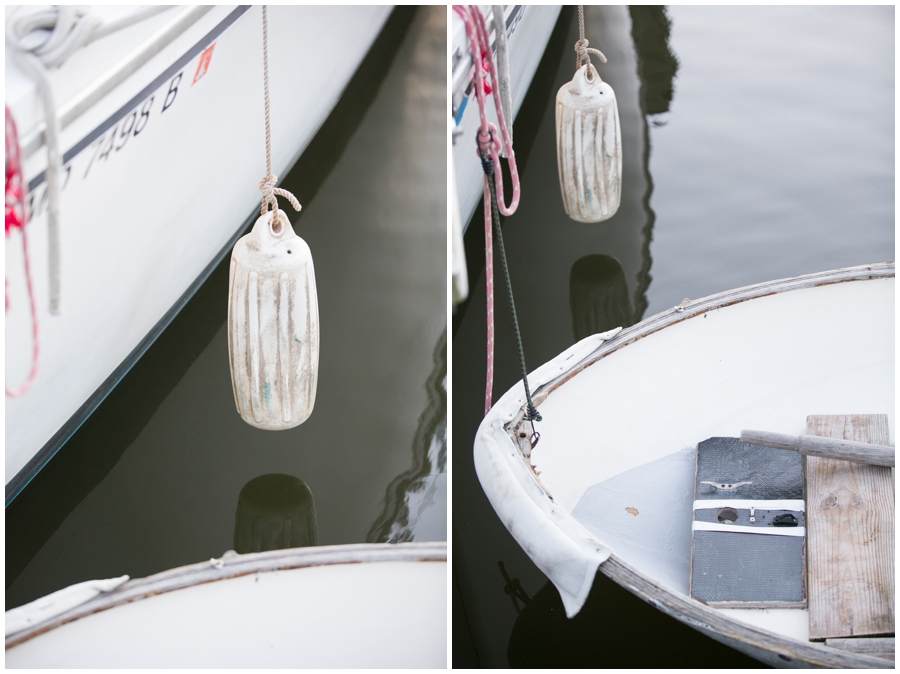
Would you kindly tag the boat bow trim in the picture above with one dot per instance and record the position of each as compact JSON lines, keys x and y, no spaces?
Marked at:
{"x":557,"y":543}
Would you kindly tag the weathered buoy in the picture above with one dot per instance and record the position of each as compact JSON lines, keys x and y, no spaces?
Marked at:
{"x":589,"y":147}
{"x":273,"y":325}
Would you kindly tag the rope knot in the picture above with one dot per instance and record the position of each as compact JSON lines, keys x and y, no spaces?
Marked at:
{"x":268,"y":189}
{"x":488,"y":143}
{"x":583,"y":49}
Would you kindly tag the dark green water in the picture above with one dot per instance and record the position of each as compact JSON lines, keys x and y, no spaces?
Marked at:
{"x":759,"y":144}
{"x":153,"y":479}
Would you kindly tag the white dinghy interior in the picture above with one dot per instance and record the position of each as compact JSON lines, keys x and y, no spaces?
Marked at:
{"x":610,"y":484}
{"x":298,"y":607}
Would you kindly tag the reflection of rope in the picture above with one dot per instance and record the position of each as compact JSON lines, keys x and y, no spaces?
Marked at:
{"x":514,"y":589}
{"x":581,"y":47}
{"x":267,"y":184}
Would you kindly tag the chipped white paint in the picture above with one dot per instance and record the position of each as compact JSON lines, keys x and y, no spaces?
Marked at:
{"x":589,"y":147}
{"x":273,"y":326}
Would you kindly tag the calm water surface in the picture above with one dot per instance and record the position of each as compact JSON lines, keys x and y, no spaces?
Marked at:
{"x":153,"y":479}
{"x":759,"y":144}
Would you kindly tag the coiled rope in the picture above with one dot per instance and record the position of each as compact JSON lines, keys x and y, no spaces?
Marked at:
{"x":489,"y":148}
{"x":268,"y":182}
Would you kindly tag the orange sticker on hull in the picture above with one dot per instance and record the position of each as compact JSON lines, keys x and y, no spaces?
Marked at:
{"x":203,"y":66}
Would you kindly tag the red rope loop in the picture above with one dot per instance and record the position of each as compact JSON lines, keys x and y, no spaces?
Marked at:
{"x":489,"y":147}
{"x":483,"y":60}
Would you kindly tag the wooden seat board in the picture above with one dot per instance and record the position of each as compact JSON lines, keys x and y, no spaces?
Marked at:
{"x":850,"y":535}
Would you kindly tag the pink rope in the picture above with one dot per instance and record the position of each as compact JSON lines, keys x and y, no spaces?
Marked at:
{"x":488,"y":141}
{"x":489,"y":146}
{"x":489,"y":288}
{"x":16,"y":217}
{"x":36,"y":351}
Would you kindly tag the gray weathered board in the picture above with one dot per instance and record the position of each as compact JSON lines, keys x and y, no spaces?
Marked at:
{"x":851,"y":534}
{"x":743,"y":568}
{"x":880,"y":647}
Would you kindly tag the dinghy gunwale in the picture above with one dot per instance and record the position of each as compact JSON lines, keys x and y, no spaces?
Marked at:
{"x":235,"y":566}
{"x":771,"y":648}
{"x":506,"y":418}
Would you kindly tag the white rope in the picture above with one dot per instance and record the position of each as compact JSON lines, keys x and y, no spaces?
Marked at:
{"x":70,"y":28}
{"x":503,"y":68}
{"x":267,"y":183}
{"x":35,"y":69}
{"x":581,"y":47}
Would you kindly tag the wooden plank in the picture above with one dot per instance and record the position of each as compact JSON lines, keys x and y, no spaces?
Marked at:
{"x":880,"y":647}
{"x":850,"y":534}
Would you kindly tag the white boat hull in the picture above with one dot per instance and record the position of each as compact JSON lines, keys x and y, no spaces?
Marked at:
{"x":629,"y":419}
{"x":159,"y":177}
{"x":528,"y":29}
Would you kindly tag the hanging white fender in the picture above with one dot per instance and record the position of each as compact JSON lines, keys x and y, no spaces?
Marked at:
{"x":273,"y":325}
{"x":589,"y":147}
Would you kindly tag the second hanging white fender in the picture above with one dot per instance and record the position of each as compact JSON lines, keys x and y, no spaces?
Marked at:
{"x":273,"y":325}
{"x":589,"y":147}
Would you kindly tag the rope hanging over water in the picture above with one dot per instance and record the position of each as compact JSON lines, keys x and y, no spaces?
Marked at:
{"x":532,"y":414}
{"x":268,"y":182}
{"x":489,"y":148}
{"x":581,"y":47}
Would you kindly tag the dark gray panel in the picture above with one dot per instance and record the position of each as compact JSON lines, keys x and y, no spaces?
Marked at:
{"x":739,"y":566}
{"x":746,"y":567}
{"x":774,"y":473}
